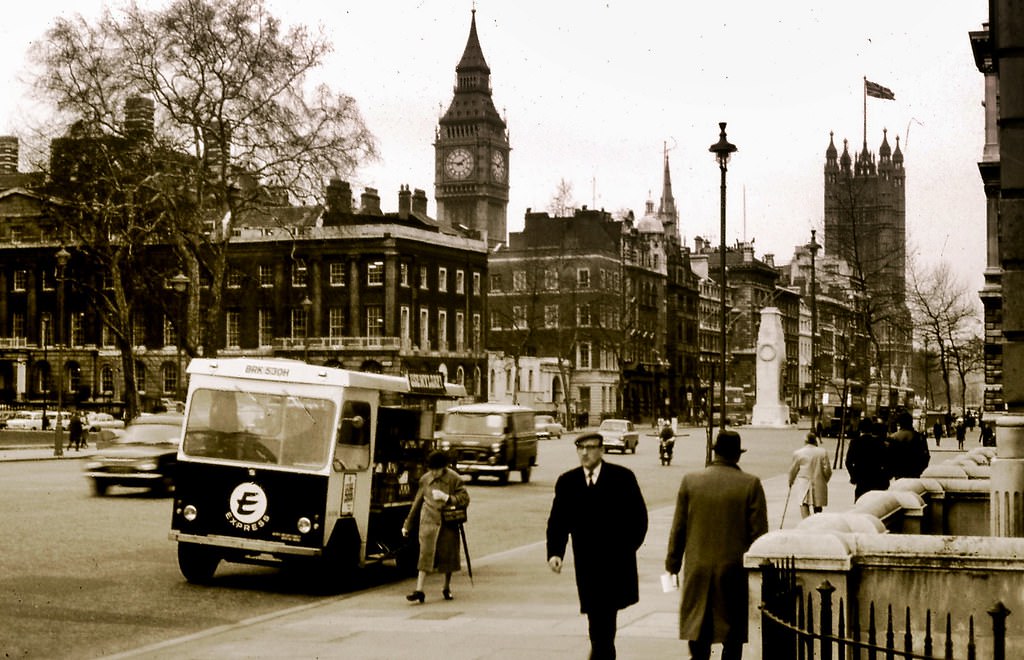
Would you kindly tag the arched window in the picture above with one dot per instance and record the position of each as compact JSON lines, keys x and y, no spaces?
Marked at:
{"x":460,"y":376}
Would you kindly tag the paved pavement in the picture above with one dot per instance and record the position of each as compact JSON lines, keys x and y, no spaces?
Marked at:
{"x":515,"y":609}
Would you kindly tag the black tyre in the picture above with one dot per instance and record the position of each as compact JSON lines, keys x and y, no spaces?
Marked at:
{"x":197,"y":563}
{"x":503,"y":477}
{"x":99,"y":487}
{"x":524,"y":474}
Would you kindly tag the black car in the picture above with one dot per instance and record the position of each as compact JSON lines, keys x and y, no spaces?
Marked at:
{"x":143,"y":456}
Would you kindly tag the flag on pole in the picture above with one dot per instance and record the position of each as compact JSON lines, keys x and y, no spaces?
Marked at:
{"x":877,"y":91}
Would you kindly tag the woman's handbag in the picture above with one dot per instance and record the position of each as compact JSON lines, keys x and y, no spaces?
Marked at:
{"x":453,"y":516}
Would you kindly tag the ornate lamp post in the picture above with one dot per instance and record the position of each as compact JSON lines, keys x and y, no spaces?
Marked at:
{"x":722,"y":149}
{"x":63,"y":256}
{"x":813,"y":246}
{"x":180,"y":284}
{"x":307,"y":304}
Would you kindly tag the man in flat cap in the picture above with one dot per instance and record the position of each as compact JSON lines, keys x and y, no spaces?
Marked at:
{"x":720,"y":510}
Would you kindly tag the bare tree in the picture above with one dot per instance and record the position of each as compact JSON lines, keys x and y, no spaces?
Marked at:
{"x":944,"y":316}
{"x":234,"y":117}
{"x":562,"y":203}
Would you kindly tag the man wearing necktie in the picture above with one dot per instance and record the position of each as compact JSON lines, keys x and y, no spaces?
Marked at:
{"x":601,"y":507}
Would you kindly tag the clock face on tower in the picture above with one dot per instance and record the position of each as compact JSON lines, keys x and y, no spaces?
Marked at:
{"x":458,"y":163}
{"x":498,"y":167}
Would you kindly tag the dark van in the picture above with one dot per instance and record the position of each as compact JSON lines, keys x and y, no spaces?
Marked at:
{"x":490,"y":439}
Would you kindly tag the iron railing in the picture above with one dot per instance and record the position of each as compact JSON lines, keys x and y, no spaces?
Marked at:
{"x":788,"y":627}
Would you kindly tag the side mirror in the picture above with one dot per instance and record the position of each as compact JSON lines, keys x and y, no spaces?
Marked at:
{"x":356,"y":422}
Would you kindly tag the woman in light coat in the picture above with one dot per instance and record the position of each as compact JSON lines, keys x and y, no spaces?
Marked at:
{"x":439,"y":544}
{"x":808,"y":476}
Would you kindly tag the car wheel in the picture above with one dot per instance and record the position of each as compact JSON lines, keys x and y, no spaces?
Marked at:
{"x":632,"y":450}
{"x":524,"y":474}
{"x":503,"y":478}
{"x":99,"y":488}
{"x":197,"y":563}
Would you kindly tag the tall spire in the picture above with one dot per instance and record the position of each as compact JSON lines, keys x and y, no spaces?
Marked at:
{"x":473,"y":56}
{"x":667,"y":212}
{"x":472,"y":101}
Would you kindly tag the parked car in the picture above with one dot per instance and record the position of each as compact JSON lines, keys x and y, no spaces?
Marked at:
{"x":32,"y":420}
{"x":96,"y":421}
{"x":619,"y":435}
{"x":143,"y":456}
{"x":547,"y":427}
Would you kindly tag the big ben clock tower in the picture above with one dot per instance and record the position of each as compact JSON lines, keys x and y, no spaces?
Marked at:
{"x":471,"y":152}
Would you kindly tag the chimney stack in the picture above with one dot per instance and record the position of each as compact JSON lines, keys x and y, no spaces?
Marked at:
{"x":338,"y":196}
{"x":370,"y":202}
{"x":8,"y":154}
{"x":419,"y":202}
{"x":404,"y":202}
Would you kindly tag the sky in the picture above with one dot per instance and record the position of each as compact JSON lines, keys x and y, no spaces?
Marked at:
{"x":594,"y":92}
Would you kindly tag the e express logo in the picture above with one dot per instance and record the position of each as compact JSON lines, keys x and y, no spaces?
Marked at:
{"x":247,"y":507}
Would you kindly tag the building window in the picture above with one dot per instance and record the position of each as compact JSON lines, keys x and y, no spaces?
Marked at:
{"x":298,"y":323}
{"x":77,"y":329}
{"x":266,"y":330}
{"x":106,"y":336}
{"x":337,"y":273}
{"x":140,"y":376}
{"x":20,"y":280}
{"x":519,"y":280}
{"x":460,"y":282}
{"x":423,"y":278}
{"x":108,"y":281}
{"x":583,"y":278}
{"x":476,"y":284}
{"x":477,"y":332}
{"x":495,"y":282}
{"x":442,"y":330}
{"x":424,"y":328}
{"x":336,"y":322}
{"x":46,"y":329}
{"x":442,"y":279}
{"x":298,"y":275}
{"x":168,"y":332}
{"x":48,"y":279}
{"x":375,"y":273}
{"x":107,"y":380}
{"x":266,"y":273}
{"x":403,"y":275}
{"x":374,"y":321}
{"x":550,"y":316}
{"x":583,"y":316}
{"x":18,"y":325}
{"x":405,"y":328}
{"x":495,"y":322}
{"x":583,"y":355}
{"x":234,"y":278}
{"x":169,"y":376}
{"x":519,"y":318}
{"x":460,"y":332}
{"x":551,"y":279}
{"x":138,"y":329}
{"x":233,"y":327}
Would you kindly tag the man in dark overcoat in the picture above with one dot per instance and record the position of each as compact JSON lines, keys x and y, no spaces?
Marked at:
{"x":720,"y":510}
{"x":600,"y":506}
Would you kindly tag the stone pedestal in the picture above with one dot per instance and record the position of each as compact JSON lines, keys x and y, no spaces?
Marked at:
{"x":771,"y":355}
{"x":1007,"y":485}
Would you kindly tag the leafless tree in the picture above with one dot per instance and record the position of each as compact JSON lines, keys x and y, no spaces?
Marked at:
{"x":946,"y":318}
{"x":234,"y":117}
{"x":562,"y":203}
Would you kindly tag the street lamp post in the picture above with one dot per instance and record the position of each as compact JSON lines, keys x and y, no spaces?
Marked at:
{"x":63,"y":256}
{"x":180,"y":284}
{"x":813,"y":246}
{"x":722,"y":149}
{"x":307,"y":304}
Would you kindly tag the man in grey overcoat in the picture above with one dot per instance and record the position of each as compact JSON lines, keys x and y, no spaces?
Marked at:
{"x":720,"y":510}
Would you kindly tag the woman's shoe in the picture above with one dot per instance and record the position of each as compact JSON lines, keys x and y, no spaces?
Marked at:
{"x":416,"y":596}
{"x":447,"y":593}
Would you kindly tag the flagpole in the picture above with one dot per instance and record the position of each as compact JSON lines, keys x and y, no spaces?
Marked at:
{"x":865,"y":112}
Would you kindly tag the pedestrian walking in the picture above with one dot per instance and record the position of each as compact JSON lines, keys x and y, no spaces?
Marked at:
{"x":720,"y":511}
{"x":76,"y":430}
{"x":937,"y":432}
{"x":809,"y":473}
{"x":961,"y":433}
{"x":439,"y":543}
{"x":866,"y":459}
{"x":908,"y":449}
{"x":599,"y":505}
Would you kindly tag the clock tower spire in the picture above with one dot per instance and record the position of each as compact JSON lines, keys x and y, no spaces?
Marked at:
{"x":471,"y":151}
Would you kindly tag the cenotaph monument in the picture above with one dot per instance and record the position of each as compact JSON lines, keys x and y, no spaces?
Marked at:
{"x":769,"y":410}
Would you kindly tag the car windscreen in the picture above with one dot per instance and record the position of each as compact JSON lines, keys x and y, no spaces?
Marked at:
{"x":460,"y":423}
{"x":149,"y":434}
{"x":248,"y":427}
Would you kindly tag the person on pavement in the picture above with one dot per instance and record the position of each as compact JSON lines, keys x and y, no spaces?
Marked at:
{"x":601,"y":507}
{"x":809,"y":474}
{"x":439,"y":543}
{"x":720,"y":511}
{"x":866,"y":459}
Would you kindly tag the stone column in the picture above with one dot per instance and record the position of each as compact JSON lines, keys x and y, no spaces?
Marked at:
{"x":1006,"y":514}
{"x":771,"y":355}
